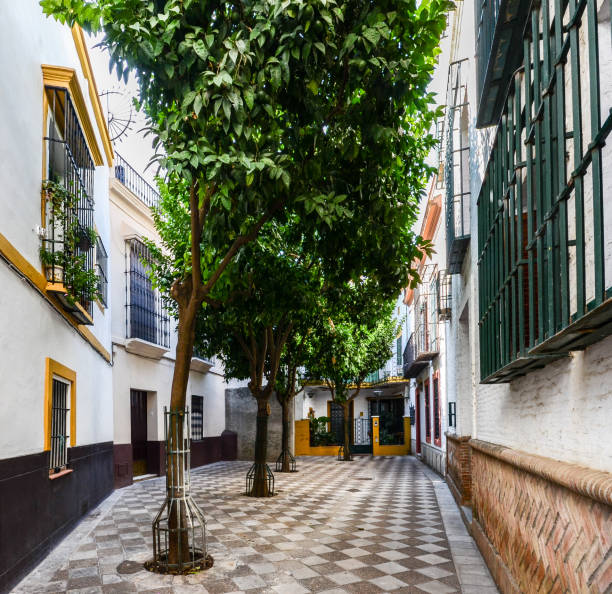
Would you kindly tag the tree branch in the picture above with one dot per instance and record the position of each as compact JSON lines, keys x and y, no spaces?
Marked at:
{"x":196,"y":236}
{"x":237,"y":244}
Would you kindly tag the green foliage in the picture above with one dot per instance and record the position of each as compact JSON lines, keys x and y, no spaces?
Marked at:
{"x":319,"y":435}
{"x":67,"y":253}
{"x":344,"y":350}
{"x":317,"y":107}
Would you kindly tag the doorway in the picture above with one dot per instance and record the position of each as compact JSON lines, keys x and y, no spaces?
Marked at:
{"x":138,"y":421}
{"x":391,"y":417}
{"x":336,"y":421}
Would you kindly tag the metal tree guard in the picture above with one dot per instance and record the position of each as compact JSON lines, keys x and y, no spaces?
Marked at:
{"x":279,"y":461}
{"x":256,"y":471}
{"x":179,"y":508}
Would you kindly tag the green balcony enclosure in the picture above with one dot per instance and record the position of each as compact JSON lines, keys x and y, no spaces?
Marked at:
{"x":544,"y":229}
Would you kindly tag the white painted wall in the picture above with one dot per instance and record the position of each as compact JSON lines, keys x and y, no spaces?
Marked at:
{"x":563,"y":410}
{"x":30,"y":328}
{"x":129,"y":218}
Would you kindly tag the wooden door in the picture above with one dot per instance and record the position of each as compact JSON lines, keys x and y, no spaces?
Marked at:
{"x":138,"y":405}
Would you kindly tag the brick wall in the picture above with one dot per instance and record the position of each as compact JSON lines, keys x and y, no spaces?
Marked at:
{"x":542,"y":525}
{"x":458,"y":467}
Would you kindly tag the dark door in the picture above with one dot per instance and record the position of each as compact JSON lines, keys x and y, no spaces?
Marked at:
{"x":138,"y":401}
{"x":336,"y":417}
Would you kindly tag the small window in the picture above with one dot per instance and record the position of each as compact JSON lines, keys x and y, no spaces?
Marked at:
{"x":102,"y":272}
{"x":59,"y":425}
{"x":398,"y":350}
{"x":197,"y":417}
{"x":452,"y":414}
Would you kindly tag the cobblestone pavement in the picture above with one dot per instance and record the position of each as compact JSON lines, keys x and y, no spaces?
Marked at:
{"x":371,"y":525}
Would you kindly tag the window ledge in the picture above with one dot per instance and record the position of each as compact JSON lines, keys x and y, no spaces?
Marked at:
{"x":57,"y":475}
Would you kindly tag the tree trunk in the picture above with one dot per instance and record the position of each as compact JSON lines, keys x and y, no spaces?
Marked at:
{"x":347,"y":431}
{"x":286,"y":462}
{"x":178,"y":539}
{"x":260,"y":482}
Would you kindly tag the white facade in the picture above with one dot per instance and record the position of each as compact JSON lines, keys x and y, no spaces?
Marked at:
{"x":140,"y":364}
{"x":33,"y":327}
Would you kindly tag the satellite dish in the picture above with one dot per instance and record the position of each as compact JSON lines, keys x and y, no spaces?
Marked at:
{"x":119,"y":113}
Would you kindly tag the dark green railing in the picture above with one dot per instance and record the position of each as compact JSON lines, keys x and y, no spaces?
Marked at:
{"x":541,"y":208}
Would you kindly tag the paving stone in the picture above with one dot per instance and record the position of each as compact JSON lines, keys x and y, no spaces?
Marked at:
{"x":326,"y":530}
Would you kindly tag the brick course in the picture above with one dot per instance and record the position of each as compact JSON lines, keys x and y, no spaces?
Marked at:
{"x":547,"y":524}
{"x":459,"y":467}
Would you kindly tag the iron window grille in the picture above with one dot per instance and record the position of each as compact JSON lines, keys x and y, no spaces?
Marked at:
{"x":134,"y":182}
{"x":444,"y":294}
{"x":457,"y":167}
{"x":398,"y":350}
{"x":197,"y":418}
{"x":146,"y":317}
{"x":543,"y":226}
{"x":426,"y":313}
{"x":59,"y":425}
{"x":102,"y":271}
{"x":69,"y":164}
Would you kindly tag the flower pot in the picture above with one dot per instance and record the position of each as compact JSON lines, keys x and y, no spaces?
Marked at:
{"x":55,"y":273}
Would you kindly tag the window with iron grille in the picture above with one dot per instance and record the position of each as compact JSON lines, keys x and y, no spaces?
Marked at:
{"x":398,"y":350}
{"x":436,"y":412}
{"x":544,"y":263}
{"x":427,"y":413}
{"x":457,"y":167}
{"x":102,"y":271}
{"x":146,"y":316}
{"x":59,"y":425}
{"x":197,"y":417}
{"x":69,"y":165}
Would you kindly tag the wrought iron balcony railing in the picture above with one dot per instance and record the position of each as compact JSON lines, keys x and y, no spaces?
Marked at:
{"x":499,"y":45}
{"x":134,"y":182}
{"x":67,"y":248}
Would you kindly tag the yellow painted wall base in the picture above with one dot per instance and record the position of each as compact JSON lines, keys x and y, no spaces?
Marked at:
{"x":302,"y":442}
{"x":390,"y":450}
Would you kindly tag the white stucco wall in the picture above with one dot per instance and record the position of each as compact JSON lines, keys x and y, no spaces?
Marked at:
{"x":561,"y":411}
{"x":31,"y":331}
{"x":129,"y":218}
{"x":30,"y":328}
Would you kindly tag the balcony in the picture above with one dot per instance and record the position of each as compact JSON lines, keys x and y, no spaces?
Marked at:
{"x":545,"y":287}
{"x":67,"y":247}
{"x":413,"y":365}
{"x":147,"y":322}
{"x":134,"y":182}
{"x":499,"y":50}
{"x":199,"y":362}
{"x":457,"y":167}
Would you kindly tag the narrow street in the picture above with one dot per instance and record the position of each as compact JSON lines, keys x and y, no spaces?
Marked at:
{"x":372,"y":525}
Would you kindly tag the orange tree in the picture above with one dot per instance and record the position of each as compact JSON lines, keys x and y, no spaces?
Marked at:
{"x":262,"y":107}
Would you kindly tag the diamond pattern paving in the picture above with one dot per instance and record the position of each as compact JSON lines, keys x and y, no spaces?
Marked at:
{"x":371,"y":525}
